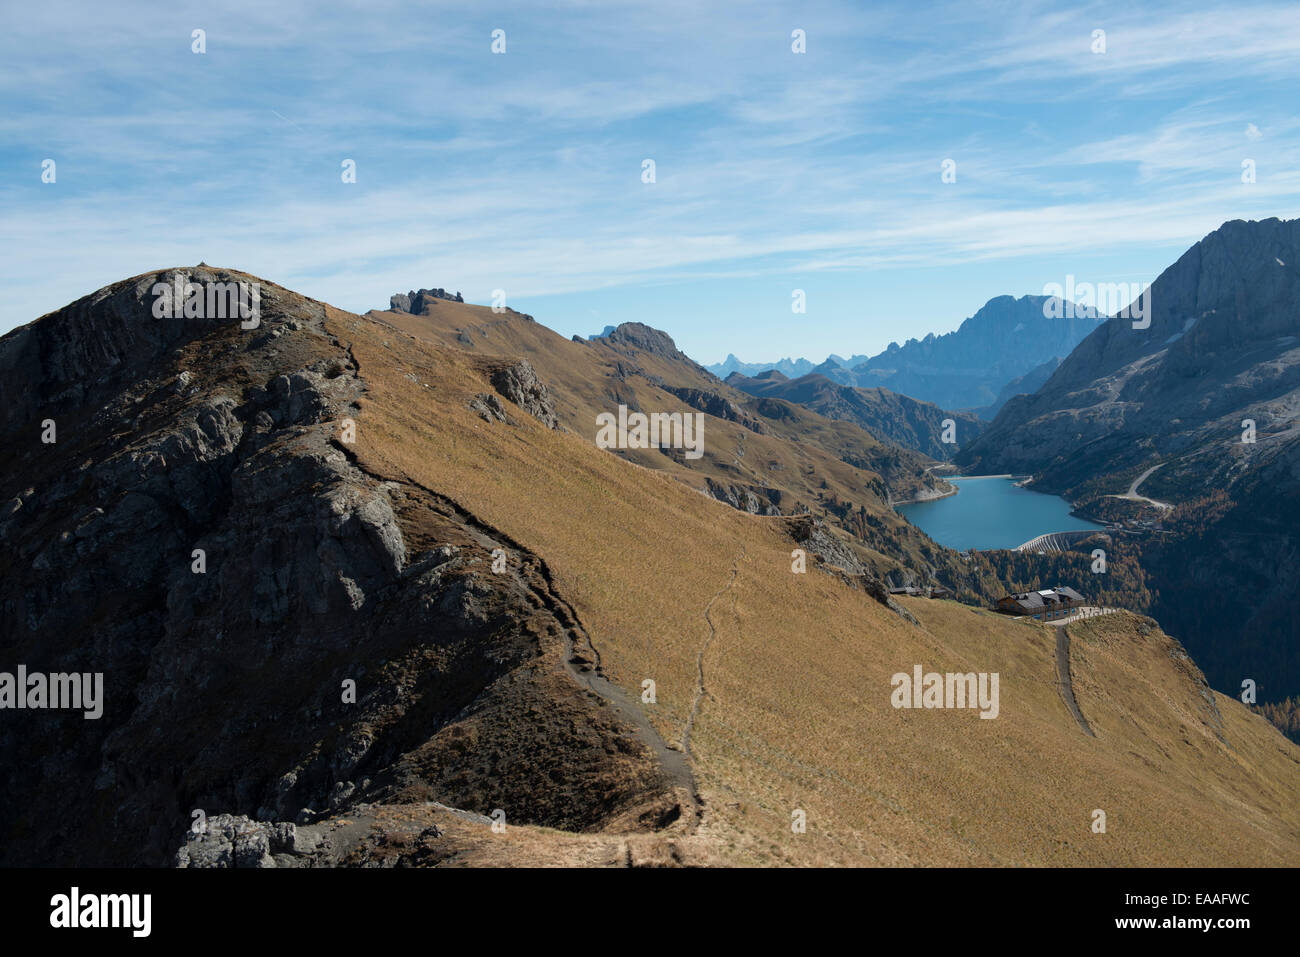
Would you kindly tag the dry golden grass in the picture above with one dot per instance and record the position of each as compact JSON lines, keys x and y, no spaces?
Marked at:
{"x":583,"y":378}
{"x":796,"y":713}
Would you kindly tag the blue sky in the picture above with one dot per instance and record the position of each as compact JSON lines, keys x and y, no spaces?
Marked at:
{"x":522,"y":171}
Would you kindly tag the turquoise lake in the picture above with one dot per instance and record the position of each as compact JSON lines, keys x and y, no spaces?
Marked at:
{"x":992,"y":512}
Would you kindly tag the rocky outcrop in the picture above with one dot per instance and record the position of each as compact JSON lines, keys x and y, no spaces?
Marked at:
{"x":365,"y":838}
{"x":832,"y":555}
{"x":519,"y":383}
{"x":715,"y":405}
{"x":643,"y":338}
{"x":415,"y":302}
{"x":488,"y":407}
{"x":756,"y":501}
{"x":106,"y":339}
{"x":880,"y":592}
{"x":234,"y":840}
{"x":816,"y":537}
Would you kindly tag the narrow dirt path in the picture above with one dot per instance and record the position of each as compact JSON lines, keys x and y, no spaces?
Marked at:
{"x":699,"y":660}
{"x":588,"y":672}
{"x":675,"y":763}
{"x":1063,"y":679}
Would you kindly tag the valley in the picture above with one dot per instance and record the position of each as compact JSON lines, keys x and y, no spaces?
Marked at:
{"x":1196,"y":408}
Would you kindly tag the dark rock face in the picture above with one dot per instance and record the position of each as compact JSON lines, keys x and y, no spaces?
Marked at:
{"x":415,"y":302}
{"x":716,"y":406}
{"x":833,"y":556}
{"x":230,"y":840}
{"x":99,"y":340}
{"x":237,"y":841}
{"x":756,"y":501}
{"x":277,"y":628}
{"x":1223,"y":345}
{"x":816,"y":537}
{"x":519,"y":383}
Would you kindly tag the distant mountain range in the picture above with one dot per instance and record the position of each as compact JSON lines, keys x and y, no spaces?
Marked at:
{"x":791,"y":368}
{"x":1009,"y":345}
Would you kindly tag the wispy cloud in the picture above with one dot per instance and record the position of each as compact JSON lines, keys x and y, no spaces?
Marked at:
{"x":523,"y":171}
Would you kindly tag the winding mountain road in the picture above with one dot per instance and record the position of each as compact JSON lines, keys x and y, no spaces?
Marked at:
{"x":1132,"y":493}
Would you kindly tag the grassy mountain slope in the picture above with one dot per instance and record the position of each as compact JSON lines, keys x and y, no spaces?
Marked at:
{"x":502,"y":590}
{"x":762,"y":455}
{"x":796,"y":670}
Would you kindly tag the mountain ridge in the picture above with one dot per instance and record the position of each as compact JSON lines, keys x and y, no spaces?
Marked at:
{"x":354,"y":494}
{"x":969,"y":368}
{"x":898,"y":418}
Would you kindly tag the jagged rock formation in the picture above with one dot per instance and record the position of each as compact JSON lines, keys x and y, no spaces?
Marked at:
{"x":636,"y":335}
{"x":518,"y":382}
{"x":792,"y":368}
{"x":415,"y":302}
{"x":833,"y":555}
{"x":488,"y":407}
{"x":235,"y":840}
{"x":756,"y":501}
{"x":715,"y":405}
{"x":815,"y":536}
{"x":967,"y":368}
